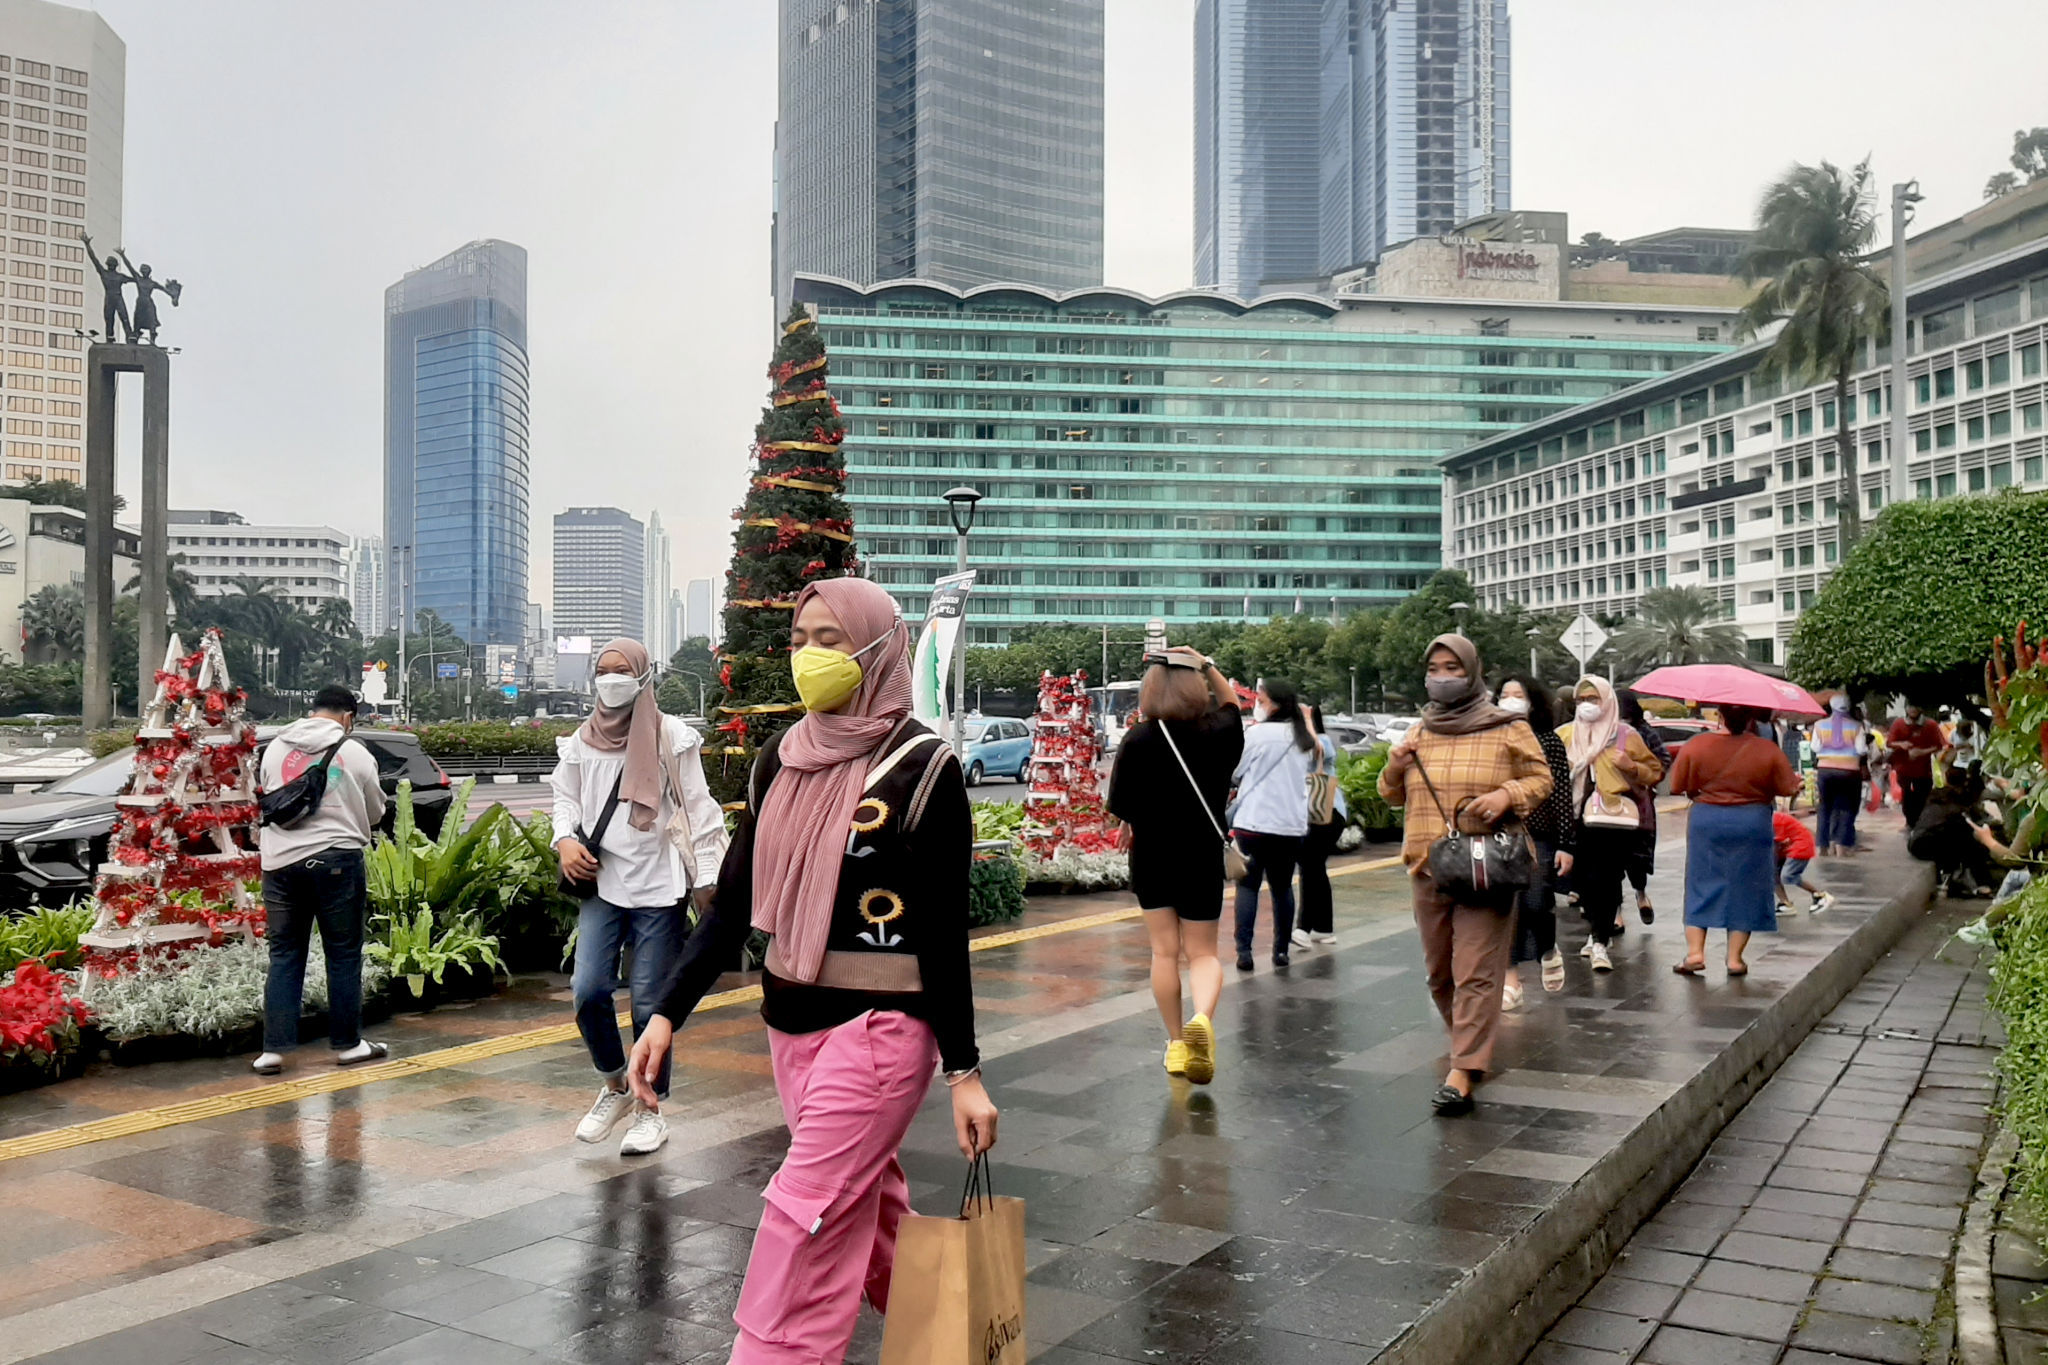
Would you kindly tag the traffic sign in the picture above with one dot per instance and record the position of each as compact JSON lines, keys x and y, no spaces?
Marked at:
{"x":1583,"y":637}
{"x":447,"y":670}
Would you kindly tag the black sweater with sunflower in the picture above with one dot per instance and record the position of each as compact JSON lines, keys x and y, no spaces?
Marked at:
{"x":899,"y":922}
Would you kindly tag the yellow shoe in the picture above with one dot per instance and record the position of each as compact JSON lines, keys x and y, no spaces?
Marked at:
{"x":1176,"y":1058}
{"x":1201,"y":1049}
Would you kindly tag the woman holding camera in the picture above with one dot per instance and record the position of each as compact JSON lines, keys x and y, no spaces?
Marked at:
{"x":1468,"y":752}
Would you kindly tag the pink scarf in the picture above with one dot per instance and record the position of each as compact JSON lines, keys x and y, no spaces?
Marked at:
{"x":637,"y":730}
{"x":800,"y":830}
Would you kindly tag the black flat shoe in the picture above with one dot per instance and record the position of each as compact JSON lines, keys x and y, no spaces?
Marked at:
{"x":1648,"y":912}
{"x":1244,"y":962}
{"x":1450,"y":1102}
{"x":1281,"y":959}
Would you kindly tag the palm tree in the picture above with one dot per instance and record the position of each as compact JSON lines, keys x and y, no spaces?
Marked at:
{"x":179,"y":585}
{"x":1679,"y":626}
{"x":53,"y":623}
{"x":1813,"y":230}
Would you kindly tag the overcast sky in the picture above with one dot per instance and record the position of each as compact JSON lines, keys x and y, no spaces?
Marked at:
{"x":289,"y":160}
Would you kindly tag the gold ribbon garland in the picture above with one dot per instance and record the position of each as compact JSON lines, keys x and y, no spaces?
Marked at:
{"x":813,"y":447}
{"x":819,"y":395}
{"x":802,"y":528}
{"x":806,"y":368}
{"x":809,"y":485}
{"x":798,"y":325}
{"x":766,"y":708}
{"x":779,"y":604}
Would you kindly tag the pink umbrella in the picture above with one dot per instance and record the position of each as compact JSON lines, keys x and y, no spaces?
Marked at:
{"x":1729,"y":685}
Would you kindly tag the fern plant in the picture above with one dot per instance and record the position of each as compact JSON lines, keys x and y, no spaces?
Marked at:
{"x":411,"y":948}
{"x":49,"y":933}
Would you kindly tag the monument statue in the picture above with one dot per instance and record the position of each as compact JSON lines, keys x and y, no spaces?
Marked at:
{"x":143,"y":327}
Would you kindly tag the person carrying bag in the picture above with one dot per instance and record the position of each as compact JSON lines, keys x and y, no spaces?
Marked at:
{"x":1614,"y":776}
{"x":959,"y":1285}
{"x":1473,"y":764}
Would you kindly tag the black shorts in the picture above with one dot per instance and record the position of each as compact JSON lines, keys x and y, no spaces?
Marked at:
{"x":1185,"y":880}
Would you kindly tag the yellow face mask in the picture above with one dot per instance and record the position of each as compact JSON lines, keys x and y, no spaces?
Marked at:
{"x":827,"y":678}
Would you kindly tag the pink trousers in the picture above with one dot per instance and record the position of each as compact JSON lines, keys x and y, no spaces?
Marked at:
{"x":828,"y":1231}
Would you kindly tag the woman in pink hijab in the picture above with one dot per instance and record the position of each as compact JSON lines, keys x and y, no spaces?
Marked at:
{"x":852,"y":856}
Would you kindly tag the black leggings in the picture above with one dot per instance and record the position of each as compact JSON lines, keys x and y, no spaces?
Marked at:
{"x":1271,"y":858}
{"x":1597,"y":872}
{"x":1316,"y":908}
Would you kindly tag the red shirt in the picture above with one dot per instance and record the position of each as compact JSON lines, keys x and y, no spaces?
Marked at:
{"x":1793,"y":839}
{"x":1925,"y":735}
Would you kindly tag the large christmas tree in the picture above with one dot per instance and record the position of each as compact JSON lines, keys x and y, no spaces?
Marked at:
{"x":794,"y":528}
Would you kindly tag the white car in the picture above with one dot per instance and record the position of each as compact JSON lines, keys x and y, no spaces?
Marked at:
{"x":1392,"y":731}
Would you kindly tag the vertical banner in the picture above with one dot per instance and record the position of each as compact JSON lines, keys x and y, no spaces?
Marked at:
{"x":932,"y":664}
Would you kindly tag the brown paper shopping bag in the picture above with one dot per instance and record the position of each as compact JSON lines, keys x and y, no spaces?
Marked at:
{"x":957,"y":1294}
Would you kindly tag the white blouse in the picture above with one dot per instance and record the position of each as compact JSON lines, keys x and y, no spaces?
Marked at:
{"x":636,"y":868}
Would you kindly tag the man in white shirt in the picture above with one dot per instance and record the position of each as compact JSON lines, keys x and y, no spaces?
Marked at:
{"x":313,"y":872}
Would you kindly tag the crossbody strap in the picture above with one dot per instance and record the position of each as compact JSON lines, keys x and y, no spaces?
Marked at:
{"x":611,"y":805}
{"x":1416,"y":754}
{"x":1194,"y":786}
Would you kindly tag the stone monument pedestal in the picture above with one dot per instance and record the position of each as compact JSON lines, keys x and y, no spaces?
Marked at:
{"x":103,"y":366}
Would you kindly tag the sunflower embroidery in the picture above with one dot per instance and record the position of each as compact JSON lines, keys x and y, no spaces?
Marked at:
{"x":891,"y":907}
{"x":873,"y":822}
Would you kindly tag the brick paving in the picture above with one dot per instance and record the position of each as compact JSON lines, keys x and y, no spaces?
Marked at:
{"x":1821,"y":1225}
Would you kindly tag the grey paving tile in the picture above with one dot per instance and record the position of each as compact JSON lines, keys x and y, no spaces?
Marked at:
{"x":1735,"y":1315}
{"x":1635,"y":1298}
{"x":1863,"y":1338}
{"x":1911,"y":1241}
{"x":1867,"y":1299}
{"x":1941,"y":1219}
{"x":1917,"y":1272}
{"x":1783,"y":1252}
{"x":1685,"y":1346}
{"x":1755,"y":1281}
{"x":1602,"y":1330}
{"x":1656,"y":1265}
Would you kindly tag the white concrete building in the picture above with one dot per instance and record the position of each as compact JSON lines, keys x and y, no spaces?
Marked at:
{"x":660,"y":636}
{"x":309,"y":564}
{"x":63,"y":77}
{"x":43,"y":547}
{"x":1711,"y":477}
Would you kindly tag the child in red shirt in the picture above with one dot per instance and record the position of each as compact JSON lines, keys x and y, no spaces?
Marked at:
{"x":1792,"y":843}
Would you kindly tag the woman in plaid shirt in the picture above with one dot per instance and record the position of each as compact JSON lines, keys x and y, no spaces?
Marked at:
{"x":1470,"y":748}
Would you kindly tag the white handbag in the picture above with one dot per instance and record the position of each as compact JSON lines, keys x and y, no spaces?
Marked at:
{"x":676,"y":830}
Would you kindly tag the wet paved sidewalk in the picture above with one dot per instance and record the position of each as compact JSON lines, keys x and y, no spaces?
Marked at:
{"x":1821,"y":1226}
{"x":1307,"y":1206}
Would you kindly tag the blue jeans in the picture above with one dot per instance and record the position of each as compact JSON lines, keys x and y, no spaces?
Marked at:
{"x":1271,"y":859}
{"x":326,"y":888}
{"x":602,"y":930}
{"x":1839,"y":794}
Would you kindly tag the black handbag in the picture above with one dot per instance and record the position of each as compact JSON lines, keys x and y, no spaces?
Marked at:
{"x":574,"y":887}
{"x":1490,"y":869}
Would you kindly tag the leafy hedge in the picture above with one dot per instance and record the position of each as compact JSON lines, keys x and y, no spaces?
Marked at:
{"x":1916,"y":606}
{"x":478,"y":738}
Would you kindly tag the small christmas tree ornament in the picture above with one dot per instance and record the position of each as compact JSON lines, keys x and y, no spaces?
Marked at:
{"x":794,"y":529}
{"x":183,"y":848}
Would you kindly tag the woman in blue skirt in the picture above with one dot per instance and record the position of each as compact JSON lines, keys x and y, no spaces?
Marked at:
{"x":1734,"y":778}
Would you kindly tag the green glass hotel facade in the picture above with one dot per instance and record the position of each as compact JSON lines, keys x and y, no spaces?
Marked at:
{"x":1193,"y":457}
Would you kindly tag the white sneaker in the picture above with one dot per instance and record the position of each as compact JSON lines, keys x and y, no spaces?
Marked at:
{"x":1324,"y":940}
{"x":612,"y":1106}
{"x":1587,"y":950}
{"x":1302,"y":939}
{"x":1787,"y":908}
{"x":1601,"y":962}
{"x":649,"y":1133}
{"x":269,"y":1064}
{"x":1823,"y":902}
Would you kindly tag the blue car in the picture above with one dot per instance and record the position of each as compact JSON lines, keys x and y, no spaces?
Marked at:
{"x":997,"y":748}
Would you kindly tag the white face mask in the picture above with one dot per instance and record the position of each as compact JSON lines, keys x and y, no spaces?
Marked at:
{"x":615,"y":691}
{"x":1589,"y":711}
{"x":1515,"y":705}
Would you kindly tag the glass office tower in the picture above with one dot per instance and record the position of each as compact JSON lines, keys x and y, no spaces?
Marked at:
{"x":1256,"y":142}
{"x":1194,"y":456}
{"x":455,"y":441}
{"x":957,"y":140}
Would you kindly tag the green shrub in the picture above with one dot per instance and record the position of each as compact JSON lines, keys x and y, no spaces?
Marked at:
{"x":1359,"y":775}
{"x":995,"y":889}
{"x":47,"y":932}
{"x":100,"y":743}
{"x":2019,"y":992}
{"x":207,"y":993}
{"x":477,"y":738}
{"x":998,"y":820}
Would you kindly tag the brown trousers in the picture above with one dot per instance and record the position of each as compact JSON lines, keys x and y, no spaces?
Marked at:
{"x":1465,"y":952}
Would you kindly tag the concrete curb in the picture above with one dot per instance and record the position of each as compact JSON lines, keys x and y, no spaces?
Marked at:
{"x":1977,"y":1338}
{"x":1498,"y":1313}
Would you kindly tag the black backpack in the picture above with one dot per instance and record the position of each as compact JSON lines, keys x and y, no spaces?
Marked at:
{"x":295,"y":802}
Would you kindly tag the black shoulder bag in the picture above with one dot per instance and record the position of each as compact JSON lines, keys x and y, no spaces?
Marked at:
{"x":575,"y":887}
{"x":296,"y":801}
{"x":1490,"y":869}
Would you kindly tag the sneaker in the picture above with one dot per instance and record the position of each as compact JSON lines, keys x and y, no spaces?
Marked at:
{"x":612,"y":1106}
{"x":1200,"y":1037}
{"x":269,"y":1064}
{"x":649,"y":1133}
{"x":1302,"y":939}
{"x":363,"y":1051}
{"x":1587,"y":950}
{"x":1553,"y":971}
{"x":1324,"y":940}
{"x":1823,"y":902}
{"x":1787,"y":908}
{"x":1601,"y":962}
{"x":1176,"y":1057}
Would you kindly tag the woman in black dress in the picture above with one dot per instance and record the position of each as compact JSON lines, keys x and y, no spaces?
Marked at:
{"x":1171,"y":779}
{"x":1551,"y":827}
{"x":1642,"y":863}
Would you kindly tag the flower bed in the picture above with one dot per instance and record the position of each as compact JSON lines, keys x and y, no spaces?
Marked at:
{"x":42,"y":1027}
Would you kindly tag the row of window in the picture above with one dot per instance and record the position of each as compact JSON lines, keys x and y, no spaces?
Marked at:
{"x":23,"y":66}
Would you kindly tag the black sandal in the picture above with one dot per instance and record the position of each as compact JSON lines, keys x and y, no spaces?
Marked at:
{"x":1450,"y":1102}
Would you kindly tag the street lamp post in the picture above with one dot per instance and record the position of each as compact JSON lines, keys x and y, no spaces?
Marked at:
{"x":1354,"y":691}
{"x":1461,"y":608}
{"x":960,"y":503}
{"x":696,"y":678}
{"x":1535,"y":635}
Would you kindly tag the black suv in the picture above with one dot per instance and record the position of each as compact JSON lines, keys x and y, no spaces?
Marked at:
{"x":52,"y":841}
